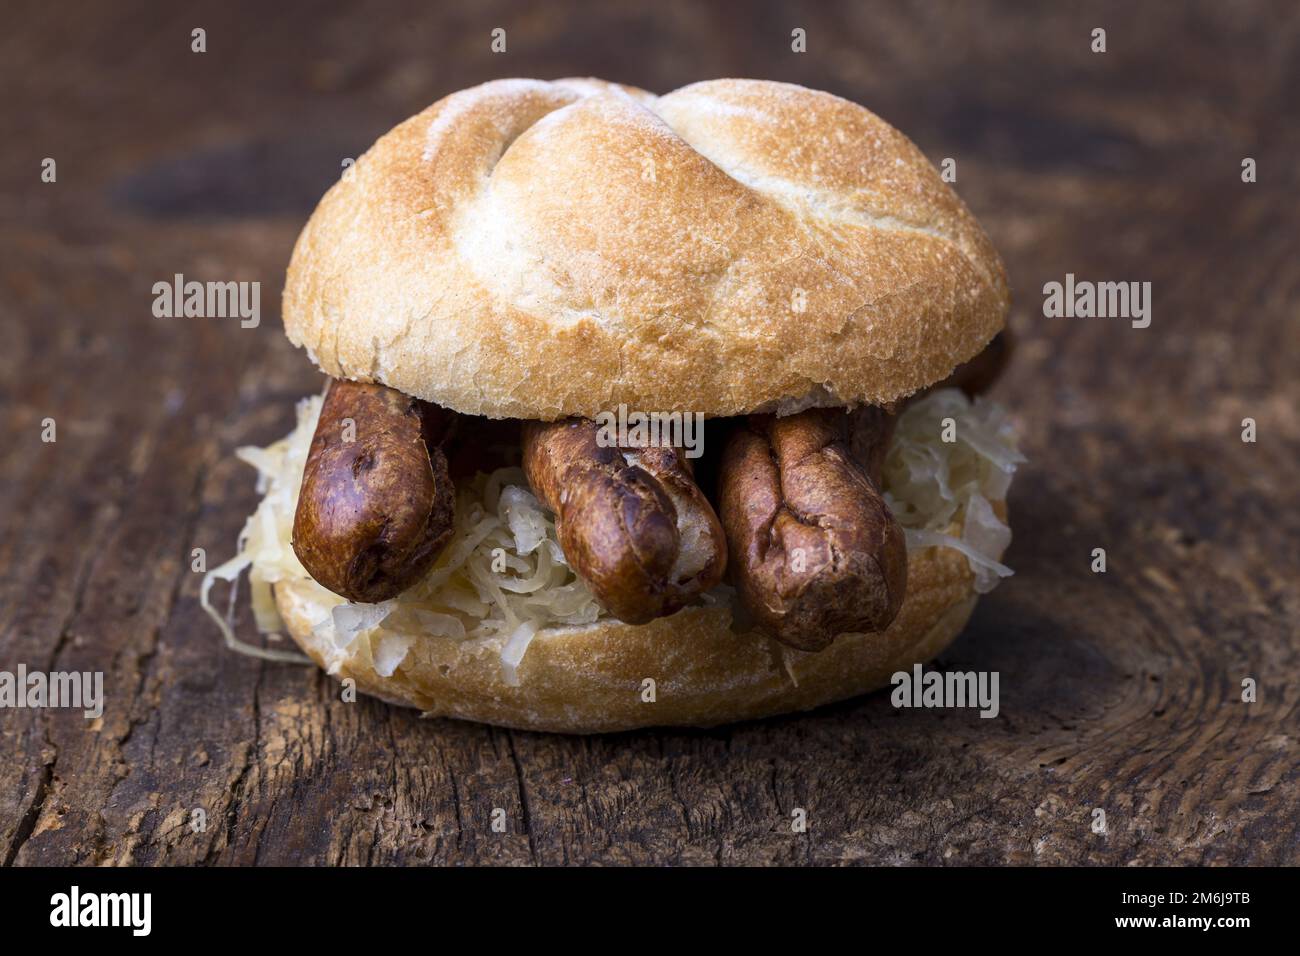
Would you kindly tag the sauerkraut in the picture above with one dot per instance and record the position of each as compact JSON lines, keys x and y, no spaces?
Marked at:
{"x":934,"y":485}
{"x":503,"y":577}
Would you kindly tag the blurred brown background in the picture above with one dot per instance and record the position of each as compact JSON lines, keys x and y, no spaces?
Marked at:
{"x":1119,"y":691}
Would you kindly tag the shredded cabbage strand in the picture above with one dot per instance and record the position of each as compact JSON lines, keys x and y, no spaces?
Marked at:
{"x":503,"y":577}
{"x":931,"y":484}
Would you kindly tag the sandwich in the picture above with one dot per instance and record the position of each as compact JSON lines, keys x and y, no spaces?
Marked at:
{"x":640,"y":411}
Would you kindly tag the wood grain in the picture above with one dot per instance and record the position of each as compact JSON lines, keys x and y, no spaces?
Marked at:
{"x":1119,"y":691}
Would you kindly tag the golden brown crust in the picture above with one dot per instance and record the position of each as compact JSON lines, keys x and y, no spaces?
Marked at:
{"x":978,"y":375}
{"x":592,"y":679}
{"x":377,"y":504}
{"x":537,"y":250}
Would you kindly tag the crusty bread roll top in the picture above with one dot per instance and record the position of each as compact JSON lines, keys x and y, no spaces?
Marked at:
{"x":535,"y":250}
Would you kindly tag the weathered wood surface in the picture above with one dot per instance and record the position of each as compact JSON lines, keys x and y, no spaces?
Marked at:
{"x":1119,"y":691}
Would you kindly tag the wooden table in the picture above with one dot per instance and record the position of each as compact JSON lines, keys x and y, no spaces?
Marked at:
{"x":1120,"y":691}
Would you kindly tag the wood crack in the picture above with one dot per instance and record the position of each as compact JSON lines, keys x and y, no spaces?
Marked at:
{"x":250,"y":760}
{"x":27,"y":824}
{"x":523,"y":796}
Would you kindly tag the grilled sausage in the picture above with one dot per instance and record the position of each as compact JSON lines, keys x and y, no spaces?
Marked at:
{"x":814,"y":549}
{"x":376,"y":506}
{"x":632,"y":522}
{"x":978,"y":375}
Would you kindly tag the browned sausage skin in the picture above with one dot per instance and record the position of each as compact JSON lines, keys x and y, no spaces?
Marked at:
{"x":814,"y":549}
{"x":377,"y":505}
{"x":978,"y":375}
{"x":631,"y":522}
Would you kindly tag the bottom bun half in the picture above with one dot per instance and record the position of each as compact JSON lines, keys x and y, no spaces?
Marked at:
{"x":594,"y":678}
